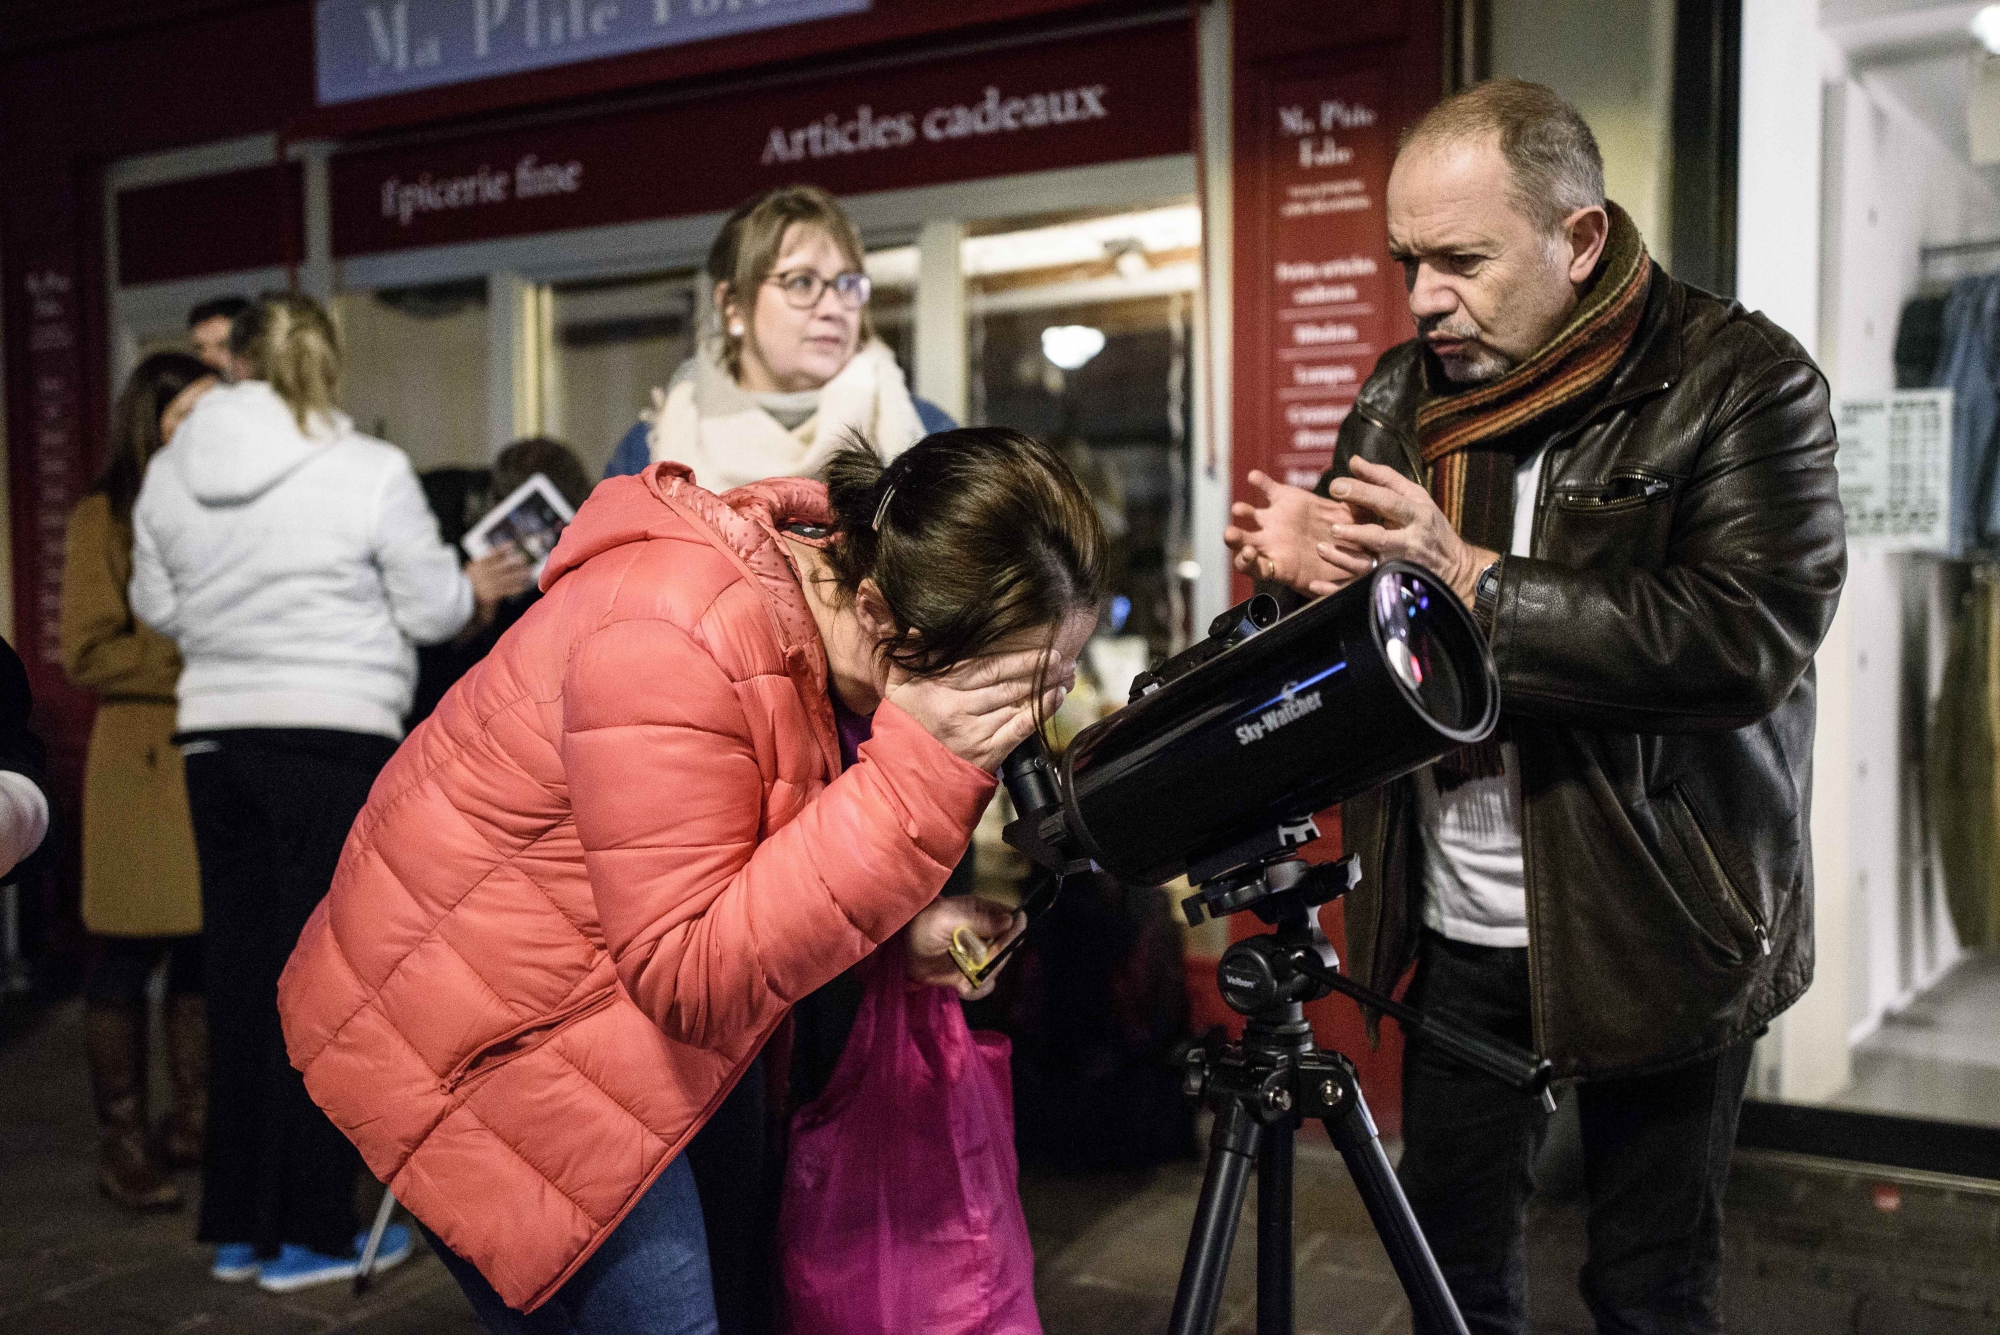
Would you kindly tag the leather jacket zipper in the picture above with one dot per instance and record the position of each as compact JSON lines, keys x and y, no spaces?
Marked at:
{"x":1725,"y":883}
{"x":472,"y":1064}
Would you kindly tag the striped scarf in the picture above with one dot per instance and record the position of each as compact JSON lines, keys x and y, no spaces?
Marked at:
{"x":1473,"y":440}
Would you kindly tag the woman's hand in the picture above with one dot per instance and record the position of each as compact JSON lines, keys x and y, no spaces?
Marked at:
{"x":983,"y":708}
{"x":498,"y":575}
{"x":929,"y":937}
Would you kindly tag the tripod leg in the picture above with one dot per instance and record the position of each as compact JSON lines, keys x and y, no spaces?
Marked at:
{"x":1431,"y":1303}
{"x":1274,"y":1230}
{"x":1231,"y":1147}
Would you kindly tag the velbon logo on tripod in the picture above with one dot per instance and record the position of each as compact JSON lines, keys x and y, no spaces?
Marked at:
{"x":1290,"y":708}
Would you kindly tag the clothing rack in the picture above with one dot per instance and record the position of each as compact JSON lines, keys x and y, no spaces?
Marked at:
{"x":1946,"y":251}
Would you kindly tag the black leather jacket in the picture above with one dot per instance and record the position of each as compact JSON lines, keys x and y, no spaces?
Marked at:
{"x":1655,"y":658}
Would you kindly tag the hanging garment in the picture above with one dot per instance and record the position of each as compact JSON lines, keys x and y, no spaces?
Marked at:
{"x":1969,"y":366}
{"x":1919,"y":340}
{"x":1964,"y":750}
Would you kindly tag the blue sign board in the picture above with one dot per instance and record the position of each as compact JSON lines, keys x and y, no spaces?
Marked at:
{"x":370,"y":47}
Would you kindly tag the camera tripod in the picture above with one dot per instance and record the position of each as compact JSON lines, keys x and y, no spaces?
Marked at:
{"x":1261,"y":1087}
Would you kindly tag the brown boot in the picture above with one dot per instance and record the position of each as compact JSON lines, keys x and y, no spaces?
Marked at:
{"x":116,"y":1038}
{"x":187,"y":1062}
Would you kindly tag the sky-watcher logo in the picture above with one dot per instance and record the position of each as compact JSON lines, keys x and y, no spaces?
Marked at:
{"x":1289,"y":709}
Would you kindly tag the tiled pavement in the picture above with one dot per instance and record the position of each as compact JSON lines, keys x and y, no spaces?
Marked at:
{"x":1809,"y":1252}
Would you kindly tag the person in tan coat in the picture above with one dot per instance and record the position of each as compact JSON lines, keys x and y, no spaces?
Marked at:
{"x":141,"y":883}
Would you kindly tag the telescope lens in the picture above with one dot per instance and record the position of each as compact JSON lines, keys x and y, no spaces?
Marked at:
{"x":1416,"y":640}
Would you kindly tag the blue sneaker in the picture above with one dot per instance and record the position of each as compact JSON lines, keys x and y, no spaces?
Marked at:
{"x":234,"y":1261}
{"x":301,"y":1267}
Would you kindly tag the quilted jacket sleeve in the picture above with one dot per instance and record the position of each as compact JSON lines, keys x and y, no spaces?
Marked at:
{"x":716,"y":924}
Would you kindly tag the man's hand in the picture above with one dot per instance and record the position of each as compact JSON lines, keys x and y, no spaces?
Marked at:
{"x":1410,"y":528}
{"x":1289,"y":539}
{"x":929,"y":937}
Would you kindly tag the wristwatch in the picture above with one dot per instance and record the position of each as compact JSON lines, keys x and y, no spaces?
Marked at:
{"x":1486,"y":596}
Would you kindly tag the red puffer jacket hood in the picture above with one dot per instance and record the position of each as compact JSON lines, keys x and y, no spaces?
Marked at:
{"x":589,"y":886}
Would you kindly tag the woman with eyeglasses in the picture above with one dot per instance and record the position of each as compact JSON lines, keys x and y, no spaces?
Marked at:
{"x":795,"y":368}
{"x":790,"y":373}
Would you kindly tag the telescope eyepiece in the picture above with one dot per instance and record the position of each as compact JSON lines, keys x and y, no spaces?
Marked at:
{"x":1029,"y":779}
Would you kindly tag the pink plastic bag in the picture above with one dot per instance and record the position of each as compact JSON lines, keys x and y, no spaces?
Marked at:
{"x":902,"y":1206}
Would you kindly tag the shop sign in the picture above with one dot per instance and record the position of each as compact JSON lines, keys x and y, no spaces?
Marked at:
{"x":251,"y":219}
{"x":1108,"y":97}
{"x":1895,"y":470}
{"x":366,"y":48}
{"x":1324,"y":301}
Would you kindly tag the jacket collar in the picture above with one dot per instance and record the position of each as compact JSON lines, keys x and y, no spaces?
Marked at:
{"x":746,"y":523}
{"x":1653,"y":362}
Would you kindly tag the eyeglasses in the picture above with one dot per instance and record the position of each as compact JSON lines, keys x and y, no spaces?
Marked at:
{"x":803,"y":288}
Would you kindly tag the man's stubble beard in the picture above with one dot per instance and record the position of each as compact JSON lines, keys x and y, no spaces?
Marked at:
{"x":1484,"y":362}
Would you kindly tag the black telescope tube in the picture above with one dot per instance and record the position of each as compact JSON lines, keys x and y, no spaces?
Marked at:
{"x":1343,"y":695}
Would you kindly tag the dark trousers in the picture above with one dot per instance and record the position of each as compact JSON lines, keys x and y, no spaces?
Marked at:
{"x":1655,"y":1151}
{"x":271,"y":809}
{"x":122,"y":965}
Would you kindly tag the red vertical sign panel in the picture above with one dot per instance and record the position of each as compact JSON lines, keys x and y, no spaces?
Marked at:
{"x":1332,"y":298}
{"x":48,"y":469}
{"x":51,"y":483}
{"x":1318,"y":298}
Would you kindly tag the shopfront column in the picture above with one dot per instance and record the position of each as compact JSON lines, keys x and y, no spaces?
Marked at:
{"x":517,"y":314}
{"x":316,"y":274}
{"x":940,"y":316}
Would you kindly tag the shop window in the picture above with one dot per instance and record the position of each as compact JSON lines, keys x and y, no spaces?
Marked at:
{"x":1080,"y":333}
{"x":1621,"y":79}
{"x":893,"y":307}
{"x":417,"y":369}
{"x":614,"y":341}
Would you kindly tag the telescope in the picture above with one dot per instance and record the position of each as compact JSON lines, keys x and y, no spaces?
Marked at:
{"x":1227,"y":750}
{"x":1215,"y":770}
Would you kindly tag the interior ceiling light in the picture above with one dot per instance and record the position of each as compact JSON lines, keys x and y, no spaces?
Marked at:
{"x":1171,"y":227}
{"x":1071,"y":345}
{"x":1129,"y":258}
{"x":1986,"y":27}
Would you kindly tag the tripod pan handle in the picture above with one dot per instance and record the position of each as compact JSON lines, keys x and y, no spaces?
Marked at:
{"x":1524,"y":1070}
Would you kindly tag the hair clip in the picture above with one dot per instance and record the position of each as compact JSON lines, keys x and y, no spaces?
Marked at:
{"x":882,"y":510}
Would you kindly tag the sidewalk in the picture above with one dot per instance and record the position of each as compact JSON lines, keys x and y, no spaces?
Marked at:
{"x":1809,"y":1252}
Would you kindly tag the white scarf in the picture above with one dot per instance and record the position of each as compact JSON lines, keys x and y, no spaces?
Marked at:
{"x":708,"y":422}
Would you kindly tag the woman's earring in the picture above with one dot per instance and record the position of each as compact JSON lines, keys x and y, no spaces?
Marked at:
{"x":736,"y":329}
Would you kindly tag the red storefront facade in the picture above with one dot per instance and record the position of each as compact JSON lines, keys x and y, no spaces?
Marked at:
{"x":1278,"y":117}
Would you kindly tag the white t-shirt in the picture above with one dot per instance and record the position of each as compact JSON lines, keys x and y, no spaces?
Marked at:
{"x":1475,"y":885}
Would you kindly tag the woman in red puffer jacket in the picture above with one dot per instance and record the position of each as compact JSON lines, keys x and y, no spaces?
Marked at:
{"x":584,"y":892}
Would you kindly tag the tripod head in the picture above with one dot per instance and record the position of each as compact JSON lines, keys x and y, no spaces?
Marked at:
{"x":1267,"y":977}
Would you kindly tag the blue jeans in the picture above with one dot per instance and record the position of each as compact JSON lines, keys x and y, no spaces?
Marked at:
{"x":649,"y":1278}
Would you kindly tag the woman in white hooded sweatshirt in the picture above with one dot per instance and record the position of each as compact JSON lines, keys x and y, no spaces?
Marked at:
{"x":297,"y":567}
